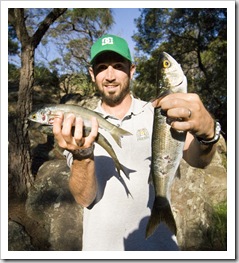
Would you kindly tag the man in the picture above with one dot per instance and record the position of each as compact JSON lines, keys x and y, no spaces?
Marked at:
{"x":117,"y":210}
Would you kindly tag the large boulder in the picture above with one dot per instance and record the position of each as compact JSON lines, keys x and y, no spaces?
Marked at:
{"x":19,"y":239}
{"x":194,"y":197}
{"x":51,"y":203}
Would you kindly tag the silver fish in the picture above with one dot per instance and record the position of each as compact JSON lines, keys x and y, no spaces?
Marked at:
{"x":47,"y":113}
{"x":100,"y":139}
{"x":167,"y":146}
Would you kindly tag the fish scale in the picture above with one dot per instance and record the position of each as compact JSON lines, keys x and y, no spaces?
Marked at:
{"x":167,"y":146}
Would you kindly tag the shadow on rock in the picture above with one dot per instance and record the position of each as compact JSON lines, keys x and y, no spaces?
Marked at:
{"x":51,"y":203}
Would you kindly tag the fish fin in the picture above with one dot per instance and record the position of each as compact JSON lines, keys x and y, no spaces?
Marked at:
{"x":120,"y":168}
{"x":178,"y":173}
{"x":151,"y":101}
{"x":125,"y":186}
{"x":117,"y":133}
{"x":161,"y":214}
{"x":150,"y":179}
{"x":163,"y":93}
{"x":46,"y":129}
{"x":100,"y":114}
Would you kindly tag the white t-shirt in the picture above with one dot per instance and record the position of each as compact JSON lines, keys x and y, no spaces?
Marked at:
{"x":117,"y":219}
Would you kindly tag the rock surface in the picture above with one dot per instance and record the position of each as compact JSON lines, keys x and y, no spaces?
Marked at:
{"x":51,"y":203}
{"x":193,"y":197}
{"x":18,"y":240}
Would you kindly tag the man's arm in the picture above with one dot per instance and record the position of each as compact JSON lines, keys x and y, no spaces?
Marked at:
{"x":82,"y":182}
{"x":197,"y":154}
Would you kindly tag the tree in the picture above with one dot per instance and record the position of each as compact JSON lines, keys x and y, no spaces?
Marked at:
{"x":19,"y":145}
{"x":197,"y":39}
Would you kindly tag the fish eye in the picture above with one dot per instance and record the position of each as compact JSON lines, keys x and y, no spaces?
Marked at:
{"x":34,"y":116}
{"x":166,"y":63}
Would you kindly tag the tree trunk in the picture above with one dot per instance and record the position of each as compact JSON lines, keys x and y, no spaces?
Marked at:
{"x":19,"y":144}
{"x":20,"y":174}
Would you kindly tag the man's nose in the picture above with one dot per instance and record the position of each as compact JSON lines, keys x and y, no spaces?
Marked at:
{"x":110,"y":76}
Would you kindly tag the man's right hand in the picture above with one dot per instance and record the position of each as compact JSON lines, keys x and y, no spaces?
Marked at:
{"x":63,"y":134}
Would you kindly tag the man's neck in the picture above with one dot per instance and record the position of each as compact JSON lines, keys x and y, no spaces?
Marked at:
{"x":119,"y":111}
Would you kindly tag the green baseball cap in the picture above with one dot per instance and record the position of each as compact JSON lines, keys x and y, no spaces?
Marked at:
{"x":110,"y":43}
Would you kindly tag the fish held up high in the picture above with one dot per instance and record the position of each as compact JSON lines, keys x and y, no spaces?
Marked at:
{"x":167,"y":146}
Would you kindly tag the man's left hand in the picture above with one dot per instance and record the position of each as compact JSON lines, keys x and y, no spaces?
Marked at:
{"x":186,"y":112}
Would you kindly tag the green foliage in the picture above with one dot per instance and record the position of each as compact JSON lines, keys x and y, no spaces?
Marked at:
{"x":183,"y":28}
{"x":76,"y":83}
{"x":44,"y":77}
{"x":95,"y":20}
{"x":13,"y":73}
{"x":217,"y":231}
{"x":197,"y":39}
{"x":148,"y":32}
{"x":66,"y":83}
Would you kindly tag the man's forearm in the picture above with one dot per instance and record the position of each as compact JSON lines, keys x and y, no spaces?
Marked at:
{"x":199,"y":155}
{"x":82,"y":182}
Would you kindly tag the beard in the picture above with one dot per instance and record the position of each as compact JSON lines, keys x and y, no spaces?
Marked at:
{"x":113,"y":99}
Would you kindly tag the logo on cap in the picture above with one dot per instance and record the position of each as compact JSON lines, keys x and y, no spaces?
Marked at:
{"x":107,"y":41}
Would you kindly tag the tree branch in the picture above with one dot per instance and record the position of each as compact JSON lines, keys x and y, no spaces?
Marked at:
{"x":45,"y":24}
{"x":16,"y":17}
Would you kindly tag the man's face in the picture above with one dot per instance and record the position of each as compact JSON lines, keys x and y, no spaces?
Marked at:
{"x":112,"y":74}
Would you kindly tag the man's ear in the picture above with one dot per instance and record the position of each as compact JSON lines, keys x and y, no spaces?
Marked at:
{"x":91,"y":71}
{"x":132,"y":71}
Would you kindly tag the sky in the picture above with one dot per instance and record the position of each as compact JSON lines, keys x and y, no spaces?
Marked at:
{"x":124,"y":24}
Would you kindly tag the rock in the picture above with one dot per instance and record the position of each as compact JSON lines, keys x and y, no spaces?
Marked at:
{"x":51,"y":203}
{"x":89,"y":102}
{"x":18,"y":238}
{"x":193,"y":197}
{"x":43,"y":146}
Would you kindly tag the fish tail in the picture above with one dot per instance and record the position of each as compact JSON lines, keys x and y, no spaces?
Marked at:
{"x":120,"y":168}
{"x":117,"y":133}
{"x":161,"y":213}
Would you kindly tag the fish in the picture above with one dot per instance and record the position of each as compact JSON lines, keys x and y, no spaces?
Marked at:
{"x":101,"y":140}
{"x":167,"y":146}
{"x":47,"y":113}
{"x":104,"y":143}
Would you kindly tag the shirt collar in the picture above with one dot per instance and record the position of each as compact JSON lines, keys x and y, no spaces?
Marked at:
{"x":135,"y":109}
